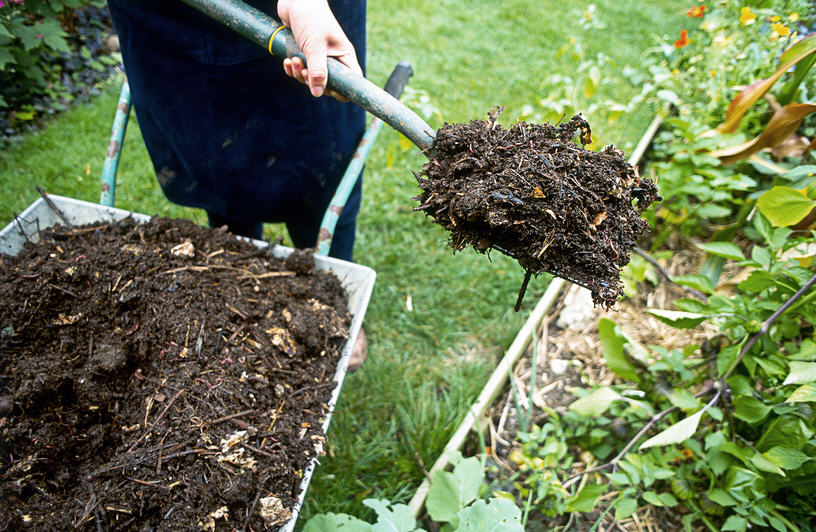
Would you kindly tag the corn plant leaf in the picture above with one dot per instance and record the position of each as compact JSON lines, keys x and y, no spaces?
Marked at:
{"x":784,"y":206}
{"x":748,"y":96}
{"x":784,"y":122}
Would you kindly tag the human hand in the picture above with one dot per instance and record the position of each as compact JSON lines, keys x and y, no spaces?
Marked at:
{"x":319,"y":36}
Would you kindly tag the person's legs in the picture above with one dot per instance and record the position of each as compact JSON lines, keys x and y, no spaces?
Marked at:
{"x":237,"y":227}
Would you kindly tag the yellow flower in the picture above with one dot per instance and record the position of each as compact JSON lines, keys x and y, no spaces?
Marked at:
{"x":746,"y":16}
{"x":775,"y":18}
{"x":793,"y":17}
{"x":712,"y":73}
{"x":675,"y":72}
{"x":780,"y":29}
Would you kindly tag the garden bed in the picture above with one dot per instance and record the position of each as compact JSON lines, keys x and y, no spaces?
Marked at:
{"x":166,"y":375}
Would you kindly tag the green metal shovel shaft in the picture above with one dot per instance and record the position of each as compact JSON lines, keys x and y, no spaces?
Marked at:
{"x":261,"y":28}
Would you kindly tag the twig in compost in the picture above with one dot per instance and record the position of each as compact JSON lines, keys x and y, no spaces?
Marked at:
{"x":20,"y":225}
{"x":54,"y":208}
{"x":527,"y":275}
{"x":231,"y":416}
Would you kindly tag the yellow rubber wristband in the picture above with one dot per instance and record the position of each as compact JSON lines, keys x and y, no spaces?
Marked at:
{"x":273,"y":38}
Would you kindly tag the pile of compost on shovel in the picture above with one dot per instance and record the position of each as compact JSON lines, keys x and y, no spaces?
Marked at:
{"x":161,"y":376}
{"x":533,"y":193}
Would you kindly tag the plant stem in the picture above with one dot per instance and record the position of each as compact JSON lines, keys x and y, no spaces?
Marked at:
{"x":701,"y":515}
{"x":766,"y":325}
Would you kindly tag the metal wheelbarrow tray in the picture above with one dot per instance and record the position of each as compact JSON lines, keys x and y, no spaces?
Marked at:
{"x":357,"y":281}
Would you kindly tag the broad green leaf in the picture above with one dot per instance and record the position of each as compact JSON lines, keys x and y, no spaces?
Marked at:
{"x":452,"y":491}
{"x":750,"y":409}
{"x":726,"y":358}
{"x":727,"y":250}
{"x":721,"y":497}
{"x":586,"y":499}
{"x":683,"y":399}
{"x":696,"y":280}
{"x":613,"y":348}
{"x":784,"y":206}
{"x":391,"y":518}
{"x":784,"y":122}
{"x":803,"y":394}
{"x":736,"y":523}
{"x":801,"y":373}
{"x":495,"y":515}
{"x":677,"y":433}
{"x":332,"y":522}
{"x":667,"y":499}
{"x":677,"y":318}
{"x":748,"y":96}
{"x":625,"y":508}
{"x":787,"y":430}
{"x":596,"y":402}
{"x":762,"y":463}
{"x":799,"y":172}
{"x":652,"y":498}
{"x":785,"y":457}
{"x":758,"y":281}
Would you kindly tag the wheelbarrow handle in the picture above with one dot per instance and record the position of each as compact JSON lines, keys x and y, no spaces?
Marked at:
{"x":266,"y":31}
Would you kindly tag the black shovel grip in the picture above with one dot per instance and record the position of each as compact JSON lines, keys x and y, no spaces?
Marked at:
{"x":399,"y":79}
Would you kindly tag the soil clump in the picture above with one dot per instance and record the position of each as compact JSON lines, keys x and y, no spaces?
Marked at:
{"x":161,"y":376}
{"x":532,"y":193}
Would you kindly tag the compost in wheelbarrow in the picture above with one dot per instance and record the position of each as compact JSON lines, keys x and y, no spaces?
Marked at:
{"x":161,"y":375}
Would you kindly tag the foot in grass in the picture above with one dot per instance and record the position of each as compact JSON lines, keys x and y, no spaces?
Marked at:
{"x":358,"y":353}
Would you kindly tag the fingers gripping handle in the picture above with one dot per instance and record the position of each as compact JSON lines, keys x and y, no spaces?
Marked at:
{"x":264,"y":30}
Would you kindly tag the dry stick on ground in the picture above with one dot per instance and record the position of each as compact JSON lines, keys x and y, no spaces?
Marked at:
{"x":54,"y":208}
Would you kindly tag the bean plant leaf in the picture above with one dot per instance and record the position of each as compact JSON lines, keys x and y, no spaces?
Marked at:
{"x":748,"y":96}
{"x":613,"y":343}
{"x":727,"y":250}
{"x":586,"y":499}
{"x":677,"y":433}
{"x":801,"y":373}
{"x":677,"y":318}
{"x":391,"y":518}
{"x":495,"y":515}
{"x":697,"y":281}
{"x":803,"y":394}
{"x":625,"y":508}
{"x":726,"y":358}
{"x":596,"y":402}
{"x":786,"y":458}
{"x":452,"y":491}
{"x":332,"y":522}
{"x":763,"y":464}
{"x":750,"y":409}
{"x":784,"y":206}
{"x":736,"y":523}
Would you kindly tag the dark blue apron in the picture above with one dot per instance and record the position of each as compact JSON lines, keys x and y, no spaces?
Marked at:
{"x":228,"y":131}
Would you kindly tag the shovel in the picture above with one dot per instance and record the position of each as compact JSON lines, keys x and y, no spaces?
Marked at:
{"x":268,"y":32}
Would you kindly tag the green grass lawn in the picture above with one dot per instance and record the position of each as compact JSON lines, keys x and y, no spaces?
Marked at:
{"x":428,"y":364}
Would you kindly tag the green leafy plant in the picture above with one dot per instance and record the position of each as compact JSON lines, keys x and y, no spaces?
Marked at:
{"x":453,"y":501}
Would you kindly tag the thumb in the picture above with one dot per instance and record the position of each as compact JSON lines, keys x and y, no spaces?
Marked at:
{"x":316,"y":66}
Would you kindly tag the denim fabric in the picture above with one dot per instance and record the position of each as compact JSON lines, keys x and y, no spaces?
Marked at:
{"x":227,"y":130}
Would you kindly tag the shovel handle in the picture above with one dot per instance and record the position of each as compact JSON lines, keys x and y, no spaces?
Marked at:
{"x":266,"y":31}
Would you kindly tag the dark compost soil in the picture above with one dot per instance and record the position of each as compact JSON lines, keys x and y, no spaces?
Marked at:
{"x":161,"y":376}
{"x":532,"y":193}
